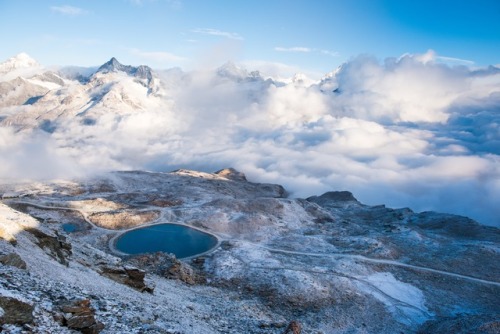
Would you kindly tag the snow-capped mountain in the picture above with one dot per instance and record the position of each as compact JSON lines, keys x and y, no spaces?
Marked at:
{"x":374,"y":118}
{"x":17,"y":64}
{"x":39,"y":96}
{"x":324,"y":263}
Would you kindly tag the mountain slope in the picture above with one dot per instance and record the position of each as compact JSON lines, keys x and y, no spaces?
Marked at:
{"x":45,"y":97}
{"x":329,"y":263}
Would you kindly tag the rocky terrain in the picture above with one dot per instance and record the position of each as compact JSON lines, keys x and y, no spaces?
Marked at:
{"x":325,"y":264}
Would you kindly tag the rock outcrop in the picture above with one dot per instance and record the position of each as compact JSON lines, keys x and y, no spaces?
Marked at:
{"x":55,"y":246}
{"x":232,"y":174}
{"x":12,"y":259}
{"x":293,"y":328}
{"x":333,"y":196}
{"x":123,"y":219}
{"x":168,"y":266}
{"x":325,"y":262}
{"x":79,"y":315}
{"x":130,"y":276}
{"x":15,"y":311}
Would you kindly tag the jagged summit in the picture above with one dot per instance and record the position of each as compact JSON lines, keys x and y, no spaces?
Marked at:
{"x":113,"y":65}
{"x":141,"y":72}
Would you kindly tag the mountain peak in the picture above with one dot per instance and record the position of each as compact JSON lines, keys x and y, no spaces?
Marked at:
{"x":232,"y":71}
{"x":141,"y":72}
{"x":21,"y":60}
{"x":113,"y":65}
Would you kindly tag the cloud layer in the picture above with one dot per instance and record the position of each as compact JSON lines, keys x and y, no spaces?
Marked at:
{"x":408,"y":131}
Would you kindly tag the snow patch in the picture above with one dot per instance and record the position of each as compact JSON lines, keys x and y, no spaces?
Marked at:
{"x":404,"y":300}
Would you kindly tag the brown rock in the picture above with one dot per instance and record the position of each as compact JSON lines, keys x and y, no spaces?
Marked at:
{"x":165,"y":203}
{"x":130,"y":276}
{"x":79,"y":315}
{"x":122,"y":219}
{"x":55,"y":246}
{"x":15,"y":311}
{"x":293,"y":328}
{"x":168,"y":266}
{"x":182,"y":272}
{"x":13,"y":260}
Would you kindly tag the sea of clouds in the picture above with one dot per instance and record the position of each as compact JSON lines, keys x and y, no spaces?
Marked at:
{"x":405,"y":132}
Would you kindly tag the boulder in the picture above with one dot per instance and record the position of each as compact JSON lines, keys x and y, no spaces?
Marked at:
{"x":13,"y":260}
{"x":15,"y":311}
{"x":168,"y":266}
{"x":130,"y":276}
{"x":294,"y":327}
{"x":79,"y":315}
{"x":181,"y":271}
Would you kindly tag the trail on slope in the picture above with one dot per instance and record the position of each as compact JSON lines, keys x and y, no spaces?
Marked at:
{"x":381,"y":261}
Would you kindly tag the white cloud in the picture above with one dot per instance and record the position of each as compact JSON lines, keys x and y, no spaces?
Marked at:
{"x":215,"y":32}
{"x":279,"y":70}
{"x":330,"y":53}
{"x":409,"y":131}
{"x":293,"y":49}
{"x":68,"y":10}
{"x":453,"y":60}
{"x":412,"y":88}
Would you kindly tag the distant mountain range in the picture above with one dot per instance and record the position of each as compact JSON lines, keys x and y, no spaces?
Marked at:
{"x":33,"y":96}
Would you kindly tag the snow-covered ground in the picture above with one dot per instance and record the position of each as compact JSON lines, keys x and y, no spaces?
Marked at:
{"x":328,"y":262}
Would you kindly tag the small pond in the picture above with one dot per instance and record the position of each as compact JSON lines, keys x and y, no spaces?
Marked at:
{"x":183,"y":241}
{"x":69,"y":228}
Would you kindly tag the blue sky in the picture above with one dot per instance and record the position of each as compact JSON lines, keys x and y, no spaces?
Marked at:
{"x":315,"y":36}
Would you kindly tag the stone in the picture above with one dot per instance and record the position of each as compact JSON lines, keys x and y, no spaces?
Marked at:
{"x":15,"y":311}
{"x":55,"y":246}
{"x":79,"y":315}
{"x":168,"y":266}
{"x":123,"y":219}
{"x":294,"y":327}
{"x":181,"y":271}
{"x":130,"y":276}
{"x":13,"y":260}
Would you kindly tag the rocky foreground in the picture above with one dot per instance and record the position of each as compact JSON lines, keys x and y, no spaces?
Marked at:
{"x":325,"y":264}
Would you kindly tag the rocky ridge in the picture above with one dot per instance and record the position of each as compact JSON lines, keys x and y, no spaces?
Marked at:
{"x":326,"y":264}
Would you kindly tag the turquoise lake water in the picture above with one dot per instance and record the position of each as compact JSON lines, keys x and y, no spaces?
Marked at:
{"x":183,"y":241}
